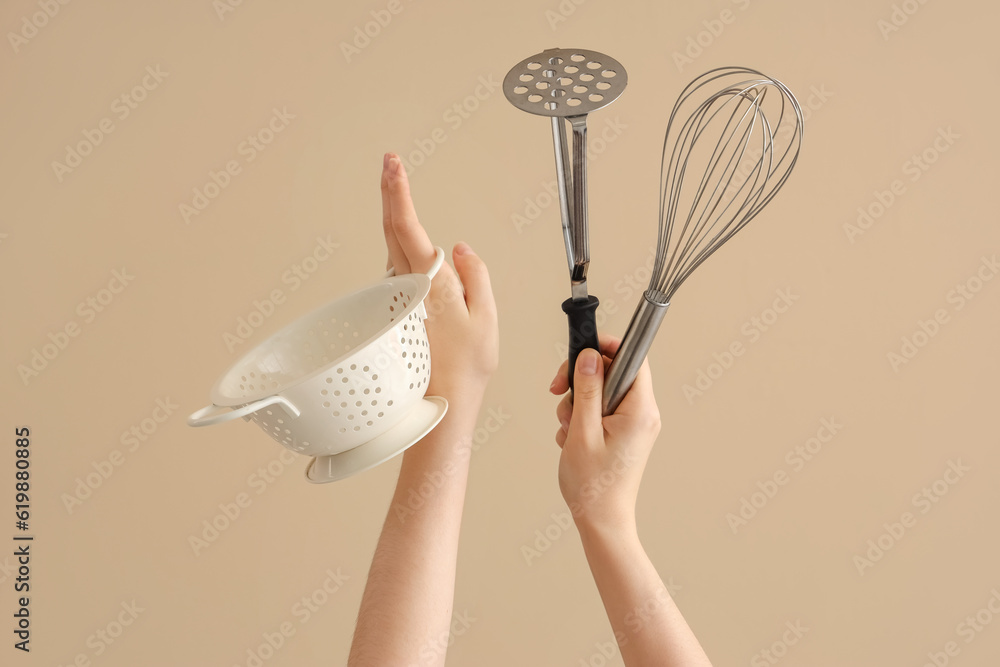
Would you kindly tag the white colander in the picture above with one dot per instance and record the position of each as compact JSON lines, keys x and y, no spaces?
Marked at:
{"x":344,"y":383}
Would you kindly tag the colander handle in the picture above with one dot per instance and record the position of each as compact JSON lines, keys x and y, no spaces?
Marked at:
{"x":431,"y":272}
{"x":215,"y":414}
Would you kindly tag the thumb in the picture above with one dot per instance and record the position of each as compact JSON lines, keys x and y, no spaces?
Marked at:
{"x":587,"y":421}
{"x":476,"y":279}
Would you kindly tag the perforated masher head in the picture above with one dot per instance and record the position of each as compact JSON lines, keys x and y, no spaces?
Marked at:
{"x":565,"y":85}
{"x":565,"y":82}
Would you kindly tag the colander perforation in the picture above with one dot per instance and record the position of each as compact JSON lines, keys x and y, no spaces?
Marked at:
{"x":352,"y":361}
{"x":335,"y":383}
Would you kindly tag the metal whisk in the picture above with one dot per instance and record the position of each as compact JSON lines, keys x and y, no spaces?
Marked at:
{"x":723,"y":161}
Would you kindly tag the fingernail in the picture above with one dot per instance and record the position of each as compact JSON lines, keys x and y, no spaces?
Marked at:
{"x":385,"y":160}
{"x":588,"y":362}
{"x":462,"y":248}
{"x":394,"y":166}
{"x":552,"y":386}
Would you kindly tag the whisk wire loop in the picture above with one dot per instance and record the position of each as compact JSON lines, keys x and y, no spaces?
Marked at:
{"x":725,"y":156}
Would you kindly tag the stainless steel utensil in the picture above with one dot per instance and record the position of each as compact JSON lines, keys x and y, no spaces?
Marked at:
{"x":723,"y":161}
{"x":566,"y":85}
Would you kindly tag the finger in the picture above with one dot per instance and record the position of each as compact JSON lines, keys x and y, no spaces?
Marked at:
{"x":560,"y":383}
{"x":564,"y":411}
{"x":445,"y":288}
{"x":397,"y":258}
{"x":639,"y":399}
{"x":586,"y":423}
{"x":411,"y":235}
{"x":476,"y":279}
{"x":609,"y":345}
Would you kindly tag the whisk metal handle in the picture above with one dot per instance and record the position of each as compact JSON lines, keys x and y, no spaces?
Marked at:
{"x":635,"y":345}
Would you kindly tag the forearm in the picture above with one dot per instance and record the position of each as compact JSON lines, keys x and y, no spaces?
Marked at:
{"x":407,"y":603}
{"x":647,"y":624}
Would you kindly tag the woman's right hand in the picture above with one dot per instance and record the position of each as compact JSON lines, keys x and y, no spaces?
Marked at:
{"x":603,"y":458}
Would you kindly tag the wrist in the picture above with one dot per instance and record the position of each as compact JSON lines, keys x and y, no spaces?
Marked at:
{"x":605,"y":523}
{"x":462,"y":394}
{"x":451,"y":439}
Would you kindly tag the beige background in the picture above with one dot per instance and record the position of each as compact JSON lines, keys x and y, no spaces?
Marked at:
{"x":884,"y":99}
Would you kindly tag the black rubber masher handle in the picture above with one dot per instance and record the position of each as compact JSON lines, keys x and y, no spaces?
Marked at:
{"x":582,"y":328}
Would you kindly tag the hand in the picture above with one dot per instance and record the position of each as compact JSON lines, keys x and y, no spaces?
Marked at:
{"x":461,"y":325}
{"x":603,"y":459}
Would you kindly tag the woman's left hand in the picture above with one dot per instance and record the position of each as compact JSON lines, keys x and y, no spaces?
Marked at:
{"x":462,"y":323}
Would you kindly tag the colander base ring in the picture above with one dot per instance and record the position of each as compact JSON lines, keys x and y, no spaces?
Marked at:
{"x":419,"y":422}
